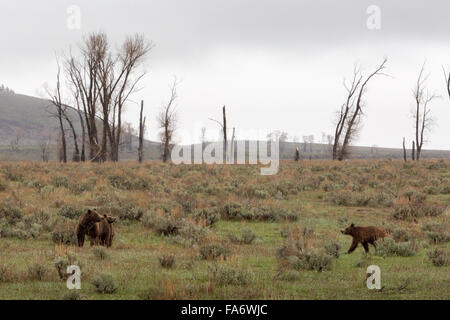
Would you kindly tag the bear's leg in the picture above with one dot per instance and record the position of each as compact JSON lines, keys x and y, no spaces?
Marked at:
{"x":374,"y":244}
{"x":353,"y":246}
{"x":366,"y":246}
{"x":80,"y":238}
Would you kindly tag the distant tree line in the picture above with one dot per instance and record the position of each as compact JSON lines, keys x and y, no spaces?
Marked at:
{"x":6,"y":90}
{"x":99,"y":81}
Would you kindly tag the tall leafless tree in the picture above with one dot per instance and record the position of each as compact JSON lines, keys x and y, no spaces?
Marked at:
{"x":56,"y":100}
{"x":447,"y":81}
{"x":103,"y":81}
{"x":404,"y":150}
{"x":421,"y":114}
{"x":167,"y":122}
{"x":223,"y":126}
{"x":117,"y":81}
{"x":82,"y":74}
{"x":350,"y":113}
{"x":141,"y":133}
{"x":76,"y":154}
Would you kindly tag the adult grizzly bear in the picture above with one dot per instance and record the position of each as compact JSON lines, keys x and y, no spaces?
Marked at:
{"x":365,"y":235}
{"x":102,"y":232}
{"x":86,"y":221}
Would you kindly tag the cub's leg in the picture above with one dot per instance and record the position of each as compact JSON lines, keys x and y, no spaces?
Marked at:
{"x":353,"y":246}
{"x":366,"y":246}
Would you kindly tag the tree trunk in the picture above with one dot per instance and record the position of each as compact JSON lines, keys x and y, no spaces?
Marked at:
{"x":141,"y":134}
{"x":225,"y":143}
{"x":76,"y":155}
{"x":83,"y":137}
{"x":63,"y":136}
{"x":404,"y":150}
{"x":413,"y":151}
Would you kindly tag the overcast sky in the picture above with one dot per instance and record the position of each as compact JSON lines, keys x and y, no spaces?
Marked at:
{"x":275,"y":64}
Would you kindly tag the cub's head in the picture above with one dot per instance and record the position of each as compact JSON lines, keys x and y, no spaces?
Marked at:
{"x":348,"y":230}
{"x":92,"y":216}
{"x":110,"y":219}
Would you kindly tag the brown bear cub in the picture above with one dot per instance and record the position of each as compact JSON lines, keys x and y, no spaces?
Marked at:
{"x":365,"y":235}
{"x":85,"y":223}
{"x":102,"y":233}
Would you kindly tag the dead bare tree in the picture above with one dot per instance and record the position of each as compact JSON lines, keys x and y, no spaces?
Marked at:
{"x":297,"y":154}
{"x":83,"y":127}
{"x":167,"y":121}
{"x":421,"y":115}
{"x":117,"y":81}
{"x":203,"y":139}
{"x":103,"y":81}
{"x":413,"y":152}
{"x":141,"y":133}
{"x":223,"y":125}
{"x":76,"y":153}
{"x":56,"y":100}
{"x":82,"y":73}
{"x":350,"y":113}
{"x":447,"y":80}
{"x":404,"y":150}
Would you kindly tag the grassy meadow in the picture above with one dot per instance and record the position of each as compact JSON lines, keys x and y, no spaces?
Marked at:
{"x":226,"y":232}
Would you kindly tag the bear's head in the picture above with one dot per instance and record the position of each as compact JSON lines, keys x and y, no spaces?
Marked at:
{"x":110,"y":219}
{"x":92,"y":216}
{"x":348,"y":230}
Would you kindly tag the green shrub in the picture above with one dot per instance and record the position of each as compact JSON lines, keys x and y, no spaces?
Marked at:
{"x":37,"y":271}
{"x":167,"y":261}
{"x":166,"y":224}
{"x":5,"y":273}
{"x":247,"y":237}
{"x":130,"y":213}
{"x":439,"y":257}
{"x":72,"y":295}
{"x":213,"y":252}
{"x":209,"y":216}
{"x":415,"y":196}
{"x":64,"y":233}
{"x":104,"y":283}
{"x":152,"y":293}
{"x":78,"y":187}
{"x":388,"y":247}
{"x":299,"y":255}
{"x":332,"y":249}
{"x":100,"y":253}
{"x":311,"y":260}
{"x":223,"y":275}
{"x":10,"y":213}
{"x":3,"y":185}
{"x":436,"y":232}
{"x":236,"y":212}
{"x":128,"y":182}
{"x":70,"y":212}
{"x":60,"y":181}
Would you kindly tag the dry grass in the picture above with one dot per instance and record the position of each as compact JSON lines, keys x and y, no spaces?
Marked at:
{"x":223,"y":227}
